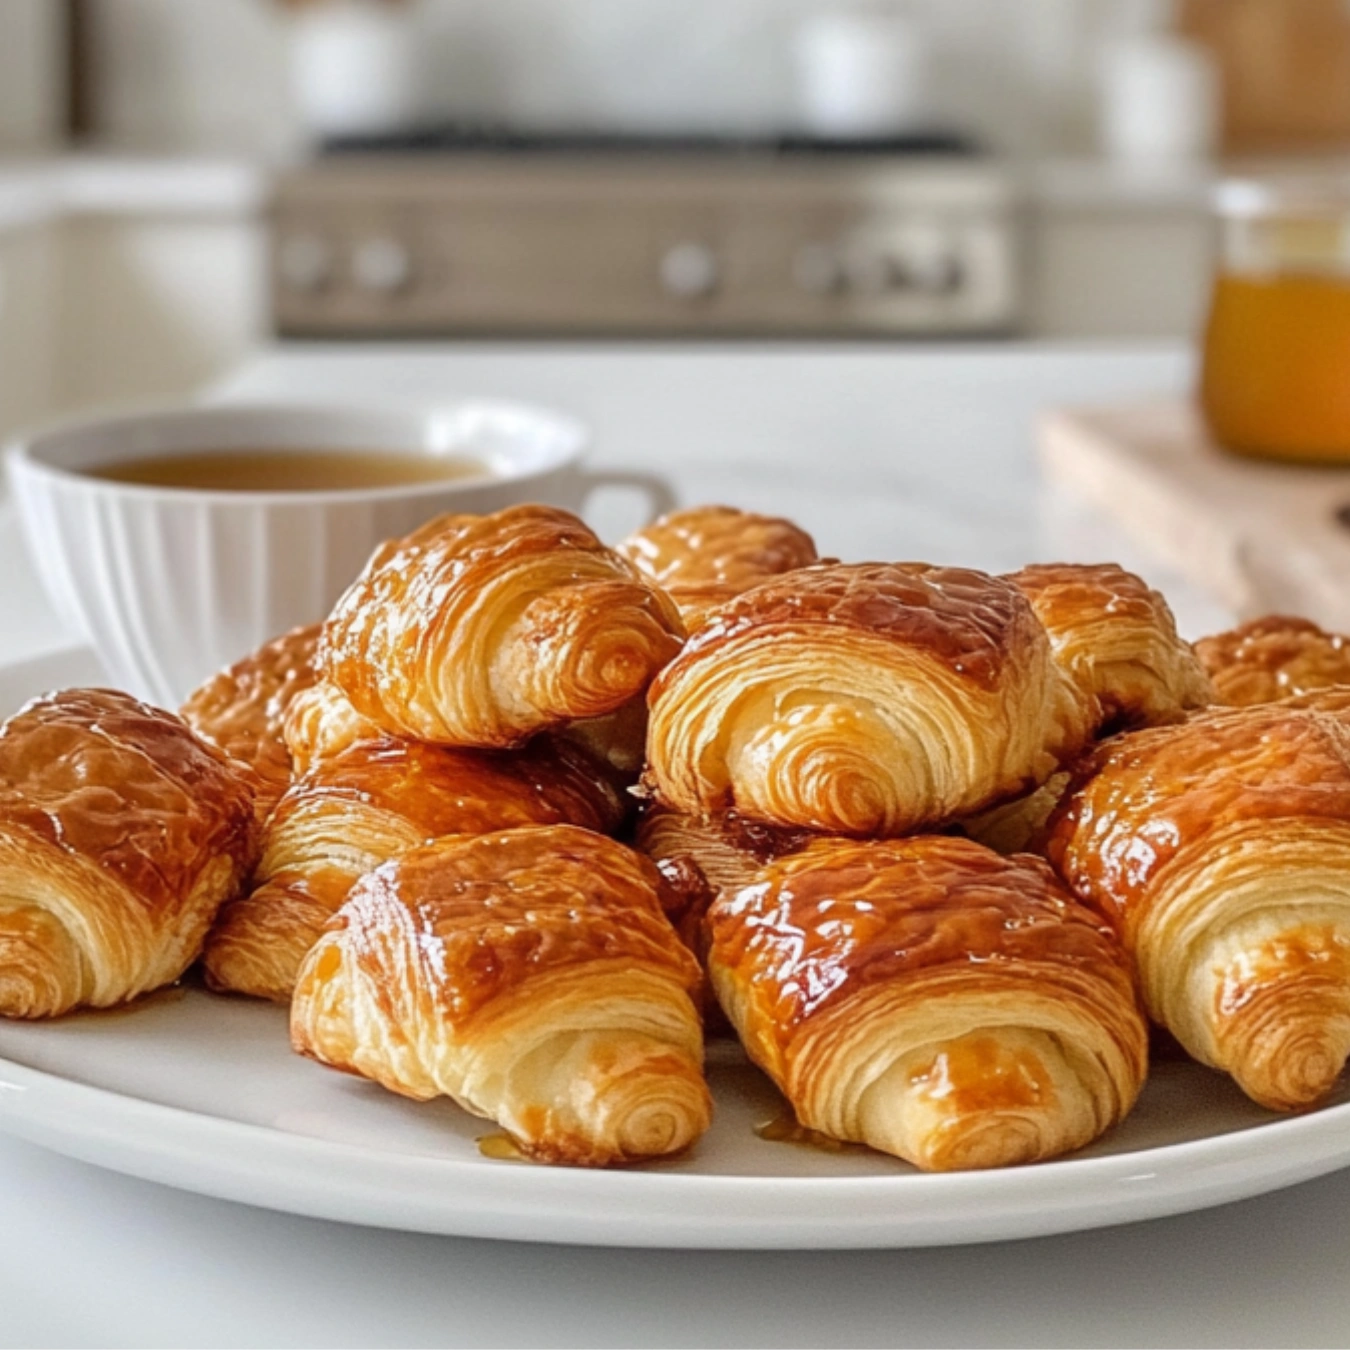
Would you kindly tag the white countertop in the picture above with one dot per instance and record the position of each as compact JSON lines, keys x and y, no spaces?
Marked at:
{"x":883,"y":452}
{"x":37,"y":191}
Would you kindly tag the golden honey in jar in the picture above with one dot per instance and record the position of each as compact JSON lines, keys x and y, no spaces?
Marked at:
{"x":1275,"y":378}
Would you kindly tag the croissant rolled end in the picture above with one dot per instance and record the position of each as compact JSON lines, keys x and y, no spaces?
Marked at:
{"x":636,"y":1102}
{"x":978,"y":1101}
{"x":39,"y":965}
{"x":1291,"y":1062}
{"x":616,"y":666}
{"x":814,"y":778}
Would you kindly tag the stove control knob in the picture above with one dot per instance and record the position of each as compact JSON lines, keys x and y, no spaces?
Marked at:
{"x":304,"y":262}
{"x":381,"y":264}
{"x":934,"y":273}
{"x":818,"y":269}
{"x":872,"y":273}
{"x":690,"y":271}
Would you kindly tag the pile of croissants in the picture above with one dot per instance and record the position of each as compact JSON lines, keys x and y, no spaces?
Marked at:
{"x":527,"y":813}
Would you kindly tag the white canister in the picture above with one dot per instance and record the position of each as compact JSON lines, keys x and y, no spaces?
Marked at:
{"x":860,"y":72}
{"x":355,"y":67}
{"x":1159,"y":99}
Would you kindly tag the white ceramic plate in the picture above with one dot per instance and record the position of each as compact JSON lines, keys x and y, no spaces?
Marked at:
{"x":203,"y":1092}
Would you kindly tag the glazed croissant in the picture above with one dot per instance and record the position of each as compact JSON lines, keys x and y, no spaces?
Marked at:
{"x":483,"y":630}
{"x":243,"y":709}
{"x":121,"y":834}
{"x":320,"y":724}
{"x":372,"y":802}
{"x":931,"y":999}
{"x":1220,"y":850}
{"x":862,"y":700}
{"x":699,"y":856}
{"x":531,"y":976}
{"x":703,"y":556}
{"x":1273,"y":658}
{"x":1117,"y":641}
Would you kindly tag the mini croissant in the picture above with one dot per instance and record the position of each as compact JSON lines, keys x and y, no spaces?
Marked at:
{"x":863,"y":700}
{"x":483,"y":630}
{"x":1274,"y":658}
{"x":121,"y":834}
{"x":1116,"y":639}
{"x":243,"y":709}
{"x":372,"y":802}
{"x":931,"y":999}
{"x":703,"y":556}
{"x":1220,"y":851}
{"x":531,"y":976}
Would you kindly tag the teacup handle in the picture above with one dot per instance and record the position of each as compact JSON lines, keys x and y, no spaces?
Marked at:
{"x":658,"y":492}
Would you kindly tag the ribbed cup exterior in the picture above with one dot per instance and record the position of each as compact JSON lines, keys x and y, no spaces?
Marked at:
{"x":168,"y":588}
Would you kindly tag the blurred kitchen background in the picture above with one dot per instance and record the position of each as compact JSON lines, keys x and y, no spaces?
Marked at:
{"x":183,"y":180}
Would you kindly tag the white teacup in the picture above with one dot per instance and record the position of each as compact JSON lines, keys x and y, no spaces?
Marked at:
{"x":168,"y":584}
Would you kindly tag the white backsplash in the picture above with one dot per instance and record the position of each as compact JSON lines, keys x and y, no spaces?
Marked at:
{"x":212,"y":73}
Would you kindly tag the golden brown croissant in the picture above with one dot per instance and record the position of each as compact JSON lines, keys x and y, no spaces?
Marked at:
{"x":1117,"y":641}
{"x":320,"y":724}
{"x":121,"y":834}
{"x":1272,"y":658}
{"x":529,"y":975}
{"x":483,"y":630}
{"x":931,"y":999}
{"x":370,"y":803}
{"x":242,"y":710}
{"x":703,"y":556}
{"x":699,"y":856}
{"x":862,"y":700}
{"x":1220,"y":850}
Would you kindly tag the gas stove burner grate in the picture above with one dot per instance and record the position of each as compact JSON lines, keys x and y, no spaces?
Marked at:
{"x":473,"y":138}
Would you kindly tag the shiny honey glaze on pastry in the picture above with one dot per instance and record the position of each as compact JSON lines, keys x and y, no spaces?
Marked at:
{"x":699,"y":856}
{"x":1273,"y":658}
{"x":320,"y":724}
{"x":1220,"y":850}
{"x":931,"y":999}
{"x":862,"y":700}
{"x":121,"y":834}
{"x":1116,"y":639}
{"x":483,"y":630}
{"x":243,"y":709}
{"x":531,"y":976}
{"x":703,"y":556}
{"x":372,"y":802}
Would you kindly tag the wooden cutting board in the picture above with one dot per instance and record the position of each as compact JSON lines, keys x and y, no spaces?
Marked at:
{"x":1261,"y":537}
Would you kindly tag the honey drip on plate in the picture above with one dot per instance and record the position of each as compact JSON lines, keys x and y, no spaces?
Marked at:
{"x":787,"y":1129}
{"x":501,"y":1147}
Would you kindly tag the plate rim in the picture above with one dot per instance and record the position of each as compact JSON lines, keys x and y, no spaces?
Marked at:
{"x":236,"y":1160}
{"x":284,"y":1170}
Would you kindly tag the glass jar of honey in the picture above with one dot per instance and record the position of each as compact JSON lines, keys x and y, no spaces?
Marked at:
{"x":1275,"y":377}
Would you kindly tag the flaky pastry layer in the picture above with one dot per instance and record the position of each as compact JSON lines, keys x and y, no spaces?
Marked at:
{"x":121,"y":834}
{"x":1220,"y":850}
{"x":372,"y":802}
{"x":705,"y":555}
{"x":1272,"y":658}
{"x":869,"y":699}
{"x":484,"y":630}
{"x":1116,"y":639}
{"x":529,"y":975}
{"x":242,"y":710}
{"x":931,"y":999}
